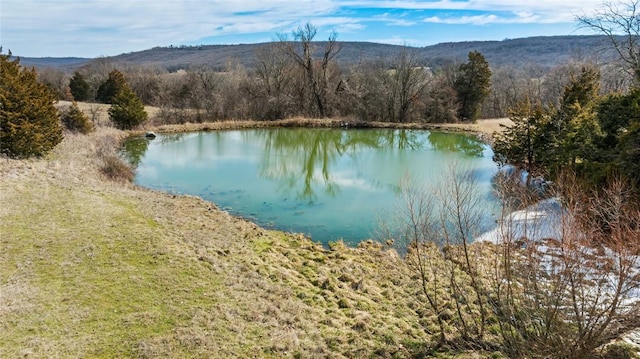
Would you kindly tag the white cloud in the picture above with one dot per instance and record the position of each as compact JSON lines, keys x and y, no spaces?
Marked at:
{"x":394,"y":20}
{"x":109,"y":27}
{"x":124,"y":25}
{"x":472,"y":20}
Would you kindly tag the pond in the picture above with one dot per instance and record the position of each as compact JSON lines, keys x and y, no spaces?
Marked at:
{"x":329,"y":184}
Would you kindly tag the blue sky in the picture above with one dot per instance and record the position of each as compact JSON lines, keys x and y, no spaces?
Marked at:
{"x":92,"y":28}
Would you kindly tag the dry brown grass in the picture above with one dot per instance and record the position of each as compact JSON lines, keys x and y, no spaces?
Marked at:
{"x":484,"y":128}
{"x":97,"y":268}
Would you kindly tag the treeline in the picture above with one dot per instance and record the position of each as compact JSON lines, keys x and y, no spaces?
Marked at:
{"x":294,"y":78}
{"x":405,"y":88}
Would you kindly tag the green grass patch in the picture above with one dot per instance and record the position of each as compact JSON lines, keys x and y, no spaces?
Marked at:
{"x":96,"y":284}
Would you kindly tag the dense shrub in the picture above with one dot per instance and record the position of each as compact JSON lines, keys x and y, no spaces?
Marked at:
{"x":29,"y":121}
{"x":75,"y":120}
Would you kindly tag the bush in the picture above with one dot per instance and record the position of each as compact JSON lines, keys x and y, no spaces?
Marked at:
{"x":116,"y":169}
{"x":29,"y":121}
{"x":75,"y":120}
{"x":127,"y":111}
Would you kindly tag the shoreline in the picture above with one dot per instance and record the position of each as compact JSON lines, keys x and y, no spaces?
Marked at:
{"x":484,"y":129}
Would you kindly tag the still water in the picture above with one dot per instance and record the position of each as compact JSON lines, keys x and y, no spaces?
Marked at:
{"x":329,"y":184}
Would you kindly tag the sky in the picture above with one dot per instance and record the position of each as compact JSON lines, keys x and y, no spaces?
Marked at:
{"x":95,"y":28}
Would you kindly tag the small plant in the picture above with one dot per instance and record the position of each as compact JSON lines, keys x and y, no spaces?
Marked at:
{"x":75,"y":120}
{"x":95,"y":112}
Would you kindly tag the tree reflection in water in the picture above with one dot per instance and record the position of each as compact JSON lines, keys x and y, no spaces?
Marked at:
{"x":468,"y":145}
{"x":134,"y":149}
{"x":302,"y":159}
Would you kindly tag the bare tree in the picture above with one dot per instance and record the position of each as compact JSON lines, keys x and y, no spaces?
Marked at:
{"x":96,"y":115}
{"x":461,"y":217}
{"x":436,"y":226}
{"x":508,"y":88}
{"x":56,"y":80}
{"x":558,"y":280}
{"x":316,"y":71}
{"x":406,"y":83}
{"x":145,"y":82}
{"x":565,"y":272}
{"x":269,"y":89}
{"x":441,"y":102}
{"x":362,"y":90}
{"x":620,"y":23}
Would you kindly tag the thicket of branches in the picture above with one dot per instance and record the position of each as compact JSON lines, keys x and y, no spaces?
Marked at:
{"x":294,"y":77}
{"x":560,"y":286}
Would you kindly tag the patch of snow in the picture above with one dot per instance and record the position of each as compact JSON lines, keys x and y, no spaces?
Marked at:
{"x":542,"y":220}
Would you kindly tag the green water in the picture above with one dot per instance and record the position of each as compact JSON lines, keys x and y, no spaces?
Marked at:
{"x":326,"y":183}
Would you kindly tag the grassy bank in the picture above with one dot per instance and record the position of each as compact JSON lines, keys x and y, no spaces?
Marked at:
{"x":91,"y":267}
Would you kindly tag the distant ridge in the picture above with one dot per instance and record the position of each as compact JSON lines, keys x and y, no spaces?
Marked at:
{"x":60,"y":62}
{"x":545,"y":51}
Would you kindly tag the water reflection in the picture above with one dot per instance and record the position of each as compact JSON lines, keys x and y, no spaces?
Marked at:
{"x":301,"y":159}
{"x":328,"y":183}
{"x":468,"y":145}
{"x":134,"y":149}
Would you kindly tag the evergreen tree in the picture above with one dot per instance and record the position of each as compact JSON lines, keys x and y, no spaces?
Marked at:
{"x":111,"y":87}
{"x":619,"y":151}
{"x":574,"y":127}
{"x":127,"y":111}
{"x":472,"y":84}
{"x":75,"y":120}
{"x":524,"y":144}
{"x":29,"y":121}
{"x":80,"y":89}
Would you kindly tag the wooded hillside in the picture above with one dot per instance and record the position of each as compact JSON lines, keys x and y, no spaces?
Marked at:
{"x":542,"y":51}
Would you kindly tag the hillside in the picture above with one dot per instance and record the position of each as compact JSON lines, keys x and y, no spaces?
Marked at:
{"x":541,"y":51}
